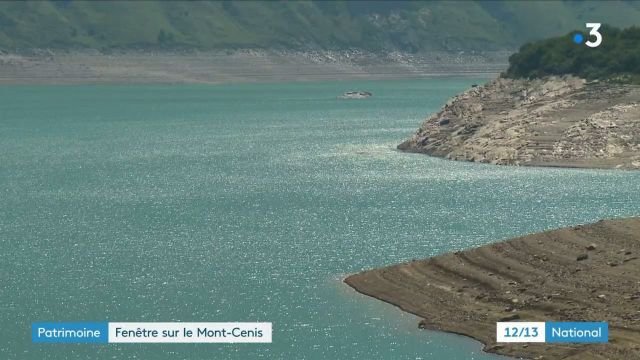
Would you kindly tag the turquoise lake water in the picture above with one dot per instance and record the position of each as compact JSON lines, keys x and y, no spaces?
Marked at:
{"x":249,"y":203}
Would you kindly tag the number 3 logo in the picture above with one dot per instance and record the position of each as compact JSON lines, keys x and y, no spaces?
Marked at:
{"x":594,"y":32}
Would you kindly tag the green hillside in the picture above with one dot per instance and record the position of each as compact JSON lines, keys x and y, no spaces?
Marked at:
{"x":372,"y":25}
{"x":617,"y":57}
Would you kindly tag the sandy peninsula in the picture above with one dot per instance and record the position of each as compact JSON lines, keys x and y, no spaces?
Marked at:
{"x":582,"y":273}
{"x":555,"y":121}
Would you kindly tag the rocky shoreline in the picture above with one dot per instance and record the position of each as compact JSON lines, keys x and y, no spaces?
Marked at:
{"x":45,"y":66}
{"x":556,"y":121}
{"x":582,"y":273}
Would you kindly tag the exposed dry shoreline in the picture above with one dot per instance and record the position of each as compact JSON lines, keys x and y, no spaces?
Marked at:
{"x":558,"y":122}
{"x":228,"y":66}
{"x":536,"y":277}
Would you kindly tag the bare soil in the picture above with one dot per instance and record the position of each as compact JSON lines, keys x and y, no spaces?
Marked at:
{"x":42,"y":66}
{"x":531,"y":278}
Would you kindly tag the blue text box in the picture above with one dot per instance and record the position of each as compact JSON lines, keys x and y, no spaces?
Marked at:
{"x":70,"y":332}
{"x":576,"y":332}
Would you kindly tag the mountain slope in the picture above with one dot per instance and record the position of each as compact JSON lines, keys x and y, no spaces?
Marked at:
{"x":618,"y":57}
{"x":371,"y":25}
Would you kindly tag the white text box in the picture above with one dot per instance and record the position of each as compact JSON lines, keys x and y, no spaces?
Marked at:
{"x":188,"y":332}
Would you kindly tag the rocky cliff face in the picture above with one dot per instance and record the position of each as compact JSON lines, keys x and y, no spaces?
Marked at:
{"x":556,"y":121}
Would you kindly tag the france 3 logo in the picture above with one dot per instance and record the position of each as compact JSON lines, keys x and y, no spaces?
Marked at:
{"x":578,"y":38}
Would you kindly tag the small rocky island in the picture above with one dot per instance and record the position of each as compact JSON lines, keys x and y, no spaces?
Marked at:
{"x":582,"y":273}
{"x":554,"y":121}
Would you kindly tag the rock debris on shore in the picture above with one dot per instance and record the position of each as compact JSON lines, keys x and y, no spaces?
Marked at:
{"x":556,"y":121}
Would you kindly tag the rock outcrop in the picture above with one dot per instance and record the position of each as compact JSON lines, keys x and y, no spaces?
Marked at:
{"x":540,"y":277}
{"x":556,"y":121}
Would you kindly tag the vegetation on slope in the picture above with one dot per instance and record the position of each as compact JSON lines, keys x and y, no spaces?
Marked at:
{"x":371,"y":25}
{"x":617,"y":58}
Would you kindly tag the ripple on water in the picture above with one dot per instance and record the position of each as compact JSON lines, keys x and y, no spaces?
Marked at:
{"x":233,"y":205}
